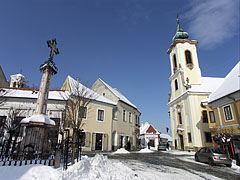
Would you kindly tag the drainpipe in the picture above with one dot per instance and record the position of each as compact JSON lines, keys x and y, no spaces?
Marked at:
{"x":237,"y":113}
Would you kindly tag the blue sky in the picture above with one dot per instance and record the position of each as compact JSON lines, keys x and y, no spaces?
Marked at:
{"x":124,"y":42}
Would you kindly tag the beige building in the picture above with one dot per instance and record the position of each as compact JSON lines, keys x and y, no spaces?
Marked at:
{"x":188,"y":117}
{"x":97,"y":121}
{"x":125,"y":124}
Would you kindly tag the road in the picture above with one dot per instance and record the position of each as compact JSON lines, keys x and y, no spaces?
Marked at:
{"x":183,"y":162}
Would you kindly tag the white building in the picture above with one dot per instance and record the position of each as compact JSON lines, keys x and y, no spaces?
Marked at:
{"x":149,"y":136}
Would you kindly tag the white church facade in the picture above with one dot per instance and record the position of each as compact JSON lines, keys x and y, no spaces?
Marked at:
{"x":189,"y":123}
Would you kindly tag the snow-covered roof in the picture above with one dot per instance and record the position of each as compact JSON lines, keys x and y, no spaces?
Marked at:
{"x":166,"y":136}
{"x":144,"y":128}
{"x":230,"y":84}
{"x":17,"y":75}
{"x":119,"y":95}
{"x":208,"y":84}
{"x":38,"y":118}
{"x":88,"y":93}
{"x":32,"y":93}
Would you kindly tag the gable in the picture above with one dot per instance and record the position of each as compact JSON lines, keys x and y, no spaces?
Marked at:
{"x":3,"y":80}
{"x":151,"y":130}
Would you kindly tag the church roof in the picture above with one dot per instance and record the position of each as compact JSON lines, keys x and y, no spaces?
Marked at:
{"x":77,"y":86}
{"x":230,"y":84}
{"x":118,"y":94}
{"x":180,"y":34}
{"x":208,"y":85}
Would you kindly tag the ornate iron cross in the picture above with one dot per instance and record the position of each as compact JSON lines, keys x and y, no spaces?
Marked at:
{"x":52,"y":45}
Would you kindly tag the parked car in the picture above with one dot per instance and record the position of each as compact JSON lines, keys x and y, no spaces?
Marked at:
{"x":162,"y":147}
{"x":213,"y":156}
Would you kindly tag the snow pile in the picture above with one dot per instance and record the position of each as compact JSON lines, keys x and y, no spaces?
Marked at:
{"x":146,"y":150}
{"x":235,"y":167}
{"x":121,"y":151}
{"x":176,"y":152}
{"x":29,"y":172}
{"x":100,"y":168}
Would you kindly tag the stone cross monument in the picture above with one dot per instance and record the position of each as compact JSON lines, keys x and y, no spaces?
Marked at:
{"x":37,"y":126}
{"x":48,"y":68}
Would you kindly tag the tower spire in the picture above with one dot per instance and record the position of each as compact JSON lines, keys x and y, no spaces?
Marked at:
{"x":179,"y":29}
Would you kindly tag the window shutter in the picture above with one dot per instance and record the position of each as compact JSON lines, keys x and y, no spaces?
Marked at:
{"x":105,"y":142}
{"x":93,"y":140}
{"x":88,"y":135}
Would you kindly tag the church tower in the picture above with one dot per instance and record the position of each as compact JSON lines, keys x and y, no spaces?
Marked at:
{"x":188,"y":89}
{"x":185,"y":69}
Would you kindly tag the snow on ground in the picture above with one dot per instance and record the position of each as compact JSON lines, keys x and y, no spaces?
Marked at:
{"x":189,"y":156}
{"x":100,"y":167}
{"x":146,"y":150}
{"x":121,"y":151}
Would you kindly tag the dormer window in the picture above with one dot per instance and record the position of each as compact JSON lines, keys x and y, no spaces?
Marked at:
{"x":188,"y":56}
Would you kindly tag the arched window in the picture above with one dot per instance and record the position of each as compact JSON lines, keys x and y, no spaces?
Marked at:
{"x":176,"y":85}
{"x":188,"y":57}
{"x":174,"y":61}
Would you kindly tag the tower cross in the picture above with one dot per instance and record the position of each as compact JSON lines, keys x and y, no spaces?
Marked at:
{"x":52,"y":45}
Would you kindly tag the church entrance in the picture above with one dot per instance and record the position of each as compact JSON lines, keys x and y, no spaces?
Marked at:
{"x":181,"y":142}
{"x":99,"y":140}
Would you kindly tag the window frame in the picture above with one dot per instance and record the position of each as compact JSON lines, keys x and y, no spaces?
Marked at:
{"x":204,"y":119}
{"x":176,"y":84}
{"x":85,"y":118}
{"x":224,"y":113}
{"x":212,"y":112}
{"x":206,"y":139}
{"x":98,"y":109}
{"x":130,"y":116}
{"x":124,"y":115}
{"x":187,"y":56}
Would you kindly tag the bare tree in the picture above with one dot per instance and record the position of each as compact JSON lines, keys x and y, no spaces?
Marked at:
{"x":12,"y":125}
{"x":76,"y":109}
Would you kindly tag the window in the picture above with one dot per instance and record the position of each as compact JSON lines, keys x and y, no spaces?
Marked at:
{"x":136,"y":120}
{"x":208,"y":137}
{"x":83,"y":112}
{"x":115,"y":113}
{"x":130,"y":117}
{"x":212,"y":117}
{"x":179,"y":118}
{"x":228,"y":113}
{"x":188,"y":57}
{"x":100,"y":115}
{"x":204,"y":116}
{"x":174,"y":62}
{"x":189,"y":138}
{"x":176,"y":84}
{"x":124,"y":115}
{"x":82,"y":138}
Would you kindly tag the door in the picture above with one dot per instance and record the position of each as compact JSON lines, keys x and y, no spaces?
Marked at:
{"x":121,"y":141}
{"x":181,"y":141}
{"x":99,"y":140}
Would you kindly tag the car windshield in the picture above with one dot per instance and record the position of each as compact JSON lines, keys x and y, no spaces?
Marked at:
{"x":219,"y":151}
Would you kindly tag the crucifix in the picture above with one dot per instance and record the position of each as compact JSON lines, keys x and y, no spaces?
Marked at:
{"x":52,"y":45}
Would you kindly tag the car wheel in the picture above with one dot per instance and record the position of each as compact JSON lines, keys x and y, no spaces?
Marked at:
{"x":196,"y":158}
{"x":229,"y":165}
{"x":210,"y":162}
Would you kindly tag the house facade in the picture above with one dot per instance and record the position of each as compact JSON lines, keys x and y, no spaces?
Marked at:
{"x":224,"y":113}
{"x":125,"y":116}
{"x":22,"y":102}
{"x":189,"y":124}
{"x":150,"y":137}
{"x":97,"y":123}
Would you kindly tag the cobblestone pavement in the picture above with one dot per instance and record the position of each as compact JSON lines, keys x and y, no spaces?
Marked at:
{"x":161,"y":159}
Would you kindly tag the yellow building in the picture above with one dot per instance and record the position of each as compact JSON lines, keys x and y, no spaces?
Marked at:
{"x":224,"y":111}
{"x":189,"y":124}
{"x":97,"y":121}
